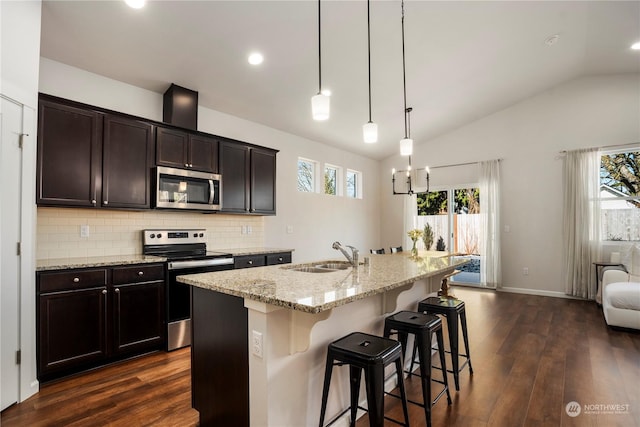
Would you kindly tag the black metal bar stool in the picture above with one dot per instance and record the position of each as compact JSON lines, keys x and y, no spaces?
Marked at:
{"x":452,"y":309}
{"x":422,"y":326}
{"x":372,"y":354}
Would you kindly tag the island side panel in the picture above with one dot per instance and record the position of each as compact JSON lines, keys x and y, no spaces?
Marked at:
{"x":219,"y":359}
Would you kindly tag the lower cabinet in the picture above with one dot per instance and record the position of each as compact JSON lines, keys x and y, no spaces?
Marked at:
{"x":90,"y":317}
{"x":260,"y":260}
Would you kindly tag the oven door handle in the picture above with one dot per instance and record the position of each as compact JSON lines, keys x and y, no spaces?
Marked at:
{"x":181,"y":265}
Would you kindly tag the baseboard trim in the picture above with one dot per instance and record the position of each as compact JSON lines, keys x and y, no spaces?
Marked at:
{"x":554,"y":294}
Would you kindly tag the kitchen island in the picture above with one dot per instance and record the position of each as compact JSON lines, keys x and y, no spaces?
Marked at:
{"x":260,"y":335}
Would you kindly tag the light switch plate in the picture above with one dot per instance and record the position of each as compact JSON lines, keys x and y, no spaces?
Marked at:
{"x":84,"y":231}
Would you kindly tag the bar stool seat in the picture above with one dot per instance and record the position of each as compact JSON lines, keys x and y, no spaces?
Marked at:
{"x":453,"y":309}
{"x":422,"y":326}
{"x":372,"y":354}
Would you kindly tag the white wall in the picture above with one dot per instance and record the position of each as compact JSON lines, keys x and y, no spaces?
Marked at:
{"x":20,"y":53}
{"x":317,"y":219}
{"x":587,"y":112}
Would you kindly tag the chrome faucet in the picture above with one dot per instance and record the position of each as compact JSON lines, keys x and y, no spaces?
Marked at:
{"x":353,"y":258}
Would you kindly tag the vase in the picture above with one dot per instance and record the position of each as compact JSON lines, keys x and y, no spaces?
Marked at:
{"x":414,"y":250}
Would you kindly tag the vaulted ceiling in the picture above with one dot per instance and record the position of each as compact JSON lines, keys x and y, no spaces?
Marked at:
{"x":464,"y":60}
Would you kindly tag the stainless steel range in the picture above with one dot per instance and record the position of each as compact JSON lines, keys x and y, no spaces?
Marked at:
{"x":186,"y":253}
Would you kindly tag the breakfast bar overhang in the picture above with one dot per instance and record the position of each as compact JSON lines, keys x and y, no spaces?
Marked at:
{"x":259,"y":335}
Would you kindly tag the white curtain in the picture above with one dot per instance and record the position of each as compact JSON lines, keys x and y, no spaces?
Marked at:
{"x":410,"y":218}
{"x":490,"y":265}
{"x":581,"y":221}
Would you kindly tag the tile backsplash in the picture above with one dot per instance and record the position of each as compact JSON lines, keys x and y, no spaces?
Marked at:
{"x":120,"y":232}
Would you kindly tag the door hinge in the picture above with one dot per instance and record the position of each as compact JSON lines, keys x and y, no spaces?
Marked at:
{"x":18,"y":357}
{"x":18,"y":249}
{"x":21,"y":139}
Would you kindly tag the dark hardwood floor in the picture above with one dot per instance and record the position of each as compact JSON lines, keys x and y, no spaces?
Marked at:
{"x":531,"y":357}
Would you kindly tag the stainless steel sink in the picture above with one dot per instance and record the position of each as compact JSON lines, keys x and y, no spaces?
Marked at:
{"x":313,"y":270}
{"x":335,"y":265}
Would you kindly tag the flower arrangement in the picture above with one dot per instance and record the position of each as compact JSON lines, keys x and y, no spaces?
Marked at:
{"x":414,"y":235}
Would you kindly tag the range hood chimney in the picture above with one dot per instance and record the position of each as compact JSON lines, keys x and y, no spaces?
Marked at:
{"x":180,"y":107}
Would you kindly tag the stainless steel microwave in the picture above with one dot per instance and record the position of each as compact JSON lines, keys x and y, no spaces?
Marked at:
{"x":187,"y":189}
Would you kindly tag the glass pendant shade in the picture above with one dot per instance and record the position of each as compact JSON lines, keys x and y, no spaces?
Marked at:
{"x":370,"y":132}
{"x":320,"y":107}
{"x":406,"y":147}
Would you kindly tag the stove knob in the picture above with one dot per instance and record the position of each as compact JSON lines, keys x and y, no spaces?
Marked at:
{"x":159,"y":236}
{"x":152,"y":235}
{"x":201,"y":234}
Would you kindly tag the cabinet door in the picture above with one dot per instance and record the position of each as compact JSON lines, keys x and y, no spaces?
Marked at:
{"x":138,"y":310}
{"x":71,"y":329}
{"x":127,"y":160}
{"x":234,"y":168}
{"x":247,"y":261}
{"x":172,"y":148}
{"x":263,"y":181}
{"x":203,"y":153}
{"x":279,"y":258}
{"x":69,"y":155}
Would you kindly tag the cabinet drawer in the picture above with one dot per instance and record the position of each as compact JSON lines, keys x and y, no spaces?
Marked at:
{"x":249,"y":261}
{"x":138,"y":273}
{"x":280,"y":258}
{"x":76,"y":279}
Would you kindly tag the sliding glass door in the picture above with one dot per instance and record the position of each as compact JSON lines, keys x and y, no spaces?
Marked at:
{"x":452,"y":217}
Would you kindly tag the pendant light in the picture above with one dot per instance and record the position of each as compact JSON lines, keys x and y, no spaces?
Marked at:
{"x":406,"y":143}
{"x":369,"y":129}
{"x":320,"y":102}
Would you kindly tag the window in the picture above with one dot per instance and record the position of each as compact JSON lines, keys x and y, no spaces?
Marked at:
{"x":331,"y":180}
{"x":354,"y":189}
{"x":306,"y":175}
{"x":620,"y":195}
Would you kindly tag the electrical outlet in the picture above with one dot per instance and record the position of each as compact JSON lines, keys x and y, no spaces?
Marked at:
{"x":84,"y":231}
{"x":243,"y":229}
{"x":249,"y":229}
{"x":256,"y":343}
{"x":289,"y":229}
{"x":525,"y":271}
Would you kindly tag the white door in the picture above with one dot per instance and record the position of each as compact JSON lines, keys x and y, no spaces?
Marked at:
{"x":10,"y":226}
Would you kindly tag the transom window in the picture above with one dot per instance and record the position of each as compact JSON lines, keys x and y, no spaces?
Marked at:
{"x":306,"y":175}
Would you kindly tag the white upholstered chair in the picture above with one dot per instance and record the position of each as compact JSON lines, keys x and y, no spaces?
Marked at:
{"x":621,"y":292}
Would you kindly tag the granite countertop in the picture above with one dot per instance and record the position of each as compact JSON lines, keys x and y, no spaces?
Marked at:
{"x":253,"y":251}
{"x":282,"y":286}
{"x":97,"y":261}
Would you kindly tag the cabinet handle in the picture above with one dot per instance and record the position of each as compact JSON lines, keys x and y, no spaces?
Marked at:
{"x":250,"y":262}
{"x":106,"y":202}
{"x":76,"y":279}
{"x":190,"y":165}
{"x":117,"y":290}
{"x":93,"y":202}
{"x":186,"y":165}
{"x":140,"y":273}
{"x":104,"y":292}
{"x":280,"y":259}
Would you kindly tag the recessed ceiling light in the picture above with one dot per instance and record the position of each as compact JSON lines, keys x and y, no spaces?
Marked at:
{"x":135,"y":4}
{"x":256,"y":58}
{"x":635,"y":46}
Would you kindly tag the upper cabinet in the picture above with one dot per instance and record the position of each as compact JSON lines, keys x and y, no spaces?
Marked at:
{"x":127,"y":159}
{"x":88,"y":158}
{"x":249,"y":178}
{"x":182,"y":150}
{"x":69,"y":155}
{"x":91,"y":157}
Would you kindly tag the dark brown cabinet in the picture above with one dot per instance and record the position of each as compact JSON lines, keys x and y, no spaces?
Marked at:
{"x":138,"y":308}
{"x":182,"y":150}
{"x":260,"y":260}
{"x":88,"y":158}
{"x":89,"y":317}
{"x":249,"y":179}
{"x":69,"y":155}
{"x":127,"y":159}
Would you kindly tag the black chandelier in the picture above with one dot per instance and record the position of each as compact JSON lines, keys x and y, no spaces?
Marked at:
{"x":406,"y":144}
